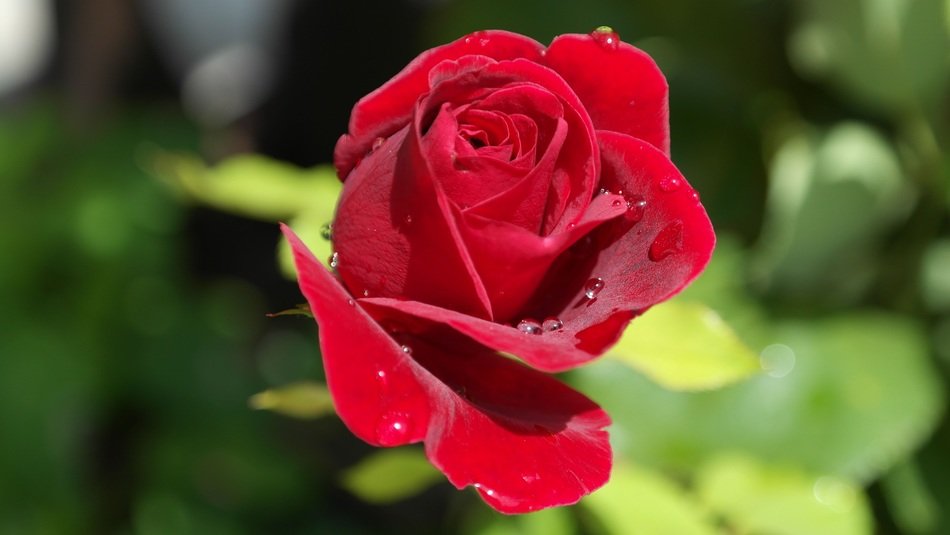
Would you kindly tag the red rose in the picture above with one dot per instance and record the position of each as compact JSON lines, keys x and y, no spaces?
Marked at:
{"x":499,"y":198}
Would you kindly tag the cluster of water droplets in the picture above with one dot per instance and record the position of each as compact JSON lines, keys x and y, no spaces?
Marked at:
{"x":531,"y":326}
{"x":636,"y":204}
{"x":334,"y":260}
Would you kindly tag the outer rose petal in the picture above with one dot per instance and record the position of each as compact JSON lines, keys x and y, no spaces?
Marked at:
{"x":396,"y":237}
{"x":466,"y":402}
{"x":621,"y":86}
{"x":375,"y":385}
{"x":523,"y":439}
{"x":388,"y":108}
{"x":641,"y":261}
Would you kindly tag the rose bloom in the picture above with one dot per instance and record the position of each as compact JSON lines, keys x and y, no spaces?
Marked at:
{"x":506,"y":210}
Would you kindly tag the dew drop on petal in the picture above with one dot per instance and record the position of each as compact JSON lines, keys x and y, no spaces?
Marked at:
{"x":334,"y":260}
{"x":636,"y":206}
{"x":408,"y":219}
{"x":606,"y":37}
{"x":381,"y":378}
{"x":378,"y":142}
{"x":365,"y":293}
{"x":406,"y":349}
{"x":529,"y":326}
{"x":351,"y":302}
{"x":670,"y":184}
{"x":392,"y":429}
{"x":551,"y":324}
{"x":616,"y":203}
{"x":326,"y":231}
{"x":667,"y":242}
{"x":593,"y":287}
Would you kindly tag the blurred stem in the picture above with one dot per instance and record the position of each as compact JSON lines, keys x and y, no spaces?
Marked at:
{"x":911,"y":503}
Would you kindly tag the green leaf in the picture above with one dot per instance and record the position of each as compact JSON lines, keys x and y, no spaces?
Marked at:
{"x":685,"y":346}
{"x":305,"y":399}
{"x":755,"y":498}
{"x":303,"y":309}
{"x":638,"y":501}
{"x":847,"y":395}
{"x":308,"y":226}
{"x":832,"y":200}
{"x":391,"y":475}
{"x":888,"y":54}
{"x":252,"y":185}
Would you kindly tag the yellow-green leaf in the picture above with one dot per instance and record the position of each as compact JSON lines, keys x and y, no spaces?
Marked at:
{"x":755,"y":498}
{"x":637,"y":501}
{"x":391,"y":475}
{"x":305,"y":399}
{"x":685,"y":346}
{"x":253,"y":185}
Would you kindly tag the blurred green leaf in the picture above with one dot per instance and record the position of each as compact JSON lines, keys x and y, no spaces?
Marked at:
{"x":638,"y":501}
{"x":890,"y":54}
{"x":391,"y":475}
{"x":830,"y":202}
{"x":553,"y":521}
{"x":252,"y":185}
{"x":847,"y":395}
{"x":309,"y":227}
{"x":685,"y":346}
{"x":305,"y":399}
{"x":755,"y":498}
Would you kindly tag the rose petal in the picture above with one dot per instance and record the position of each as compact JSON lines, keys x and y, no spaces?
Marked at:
{"x":578,"y":163}
{"x":642,"y":259}
{"x":621,"y":86}
{"x":523,"y":439}
{"x":387,"y":109}
{"x":512,"y":262}
{"x":375,"y":385}
{"x":553,"y":351}
{"x":395,"y":235}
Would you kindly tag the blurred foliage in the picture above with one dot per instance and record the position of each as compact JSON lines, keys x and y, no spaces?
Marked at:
{"x":805,"y":395}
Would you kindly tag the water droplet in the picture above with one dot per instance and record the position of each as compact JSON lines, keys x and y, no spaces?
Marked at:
{"x":377,"y":143}
{"x":334,"y":260}
{"x":551,"y":324}
{"x":529,"y":326}
{"x":606,"y":37}
{"x":694,"y":195}
{"x":530,"y":478}
{"x":351,"y":302}
{"x":667,"y":242}
{"x":670,"y":184}
{"x":593,"y":287}
{"x":365,"y":293}
{"x":326,"y":231}
{"x":479,"y":37}
{"x":408,"y":219}
{"x":616,"y":203}
{"x":636,"y":206}
{"x":381,"y":377}
{"x":406,"y":349}
{"x":603,"y":191}
{"x":392,"y":429}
